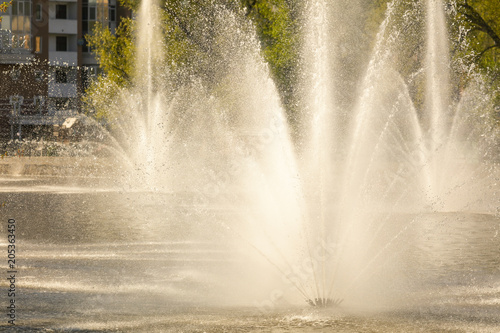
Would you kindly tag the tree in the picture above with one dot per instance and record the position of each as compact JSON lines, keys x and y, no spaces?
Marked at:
{"x":192,"y":38}
{"x":484,"y":19}
{"x":479,"y":45}
{"x":115,"y":54}
{"x":194,"y":49}
{"x":276,"y":24}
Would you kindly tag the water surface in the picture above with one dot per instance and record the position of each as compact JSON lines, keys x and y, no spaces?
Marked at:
{"x":98,"y":258}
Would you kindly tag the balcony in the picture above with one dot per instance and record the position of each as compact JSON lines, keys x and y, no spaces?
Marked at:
{"x":68,"y":27}
{"x":14,"y":48}
{"x":63,"y":58}
{"x":62,"y":89}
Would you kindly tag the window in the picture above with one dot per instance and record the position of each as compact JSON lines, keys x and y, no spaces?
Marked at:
{"x":61,"y":43}
{"x":23,"y":8}
{"x":18,"y":26}
{"x":92,"y":11}
{"x":85,"y":47}
{"x":112,"y":18}
{"x":38,"y":12}
{"x":61,"y":76}
{"x":38,"y":44}
{"x":85,"y":13}
{"x":112,"y":13}
{"x":61,"y":12}
{"x":89,"y":14}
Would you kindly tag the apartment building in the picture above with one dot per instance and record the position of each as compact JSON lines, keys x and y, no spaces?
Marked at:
{"x":44,"y":60}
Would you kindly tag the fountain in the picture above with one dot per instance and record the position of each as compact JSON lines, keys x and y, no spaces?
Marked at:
{"x":380,"y":204}
{"x":359,"y":185}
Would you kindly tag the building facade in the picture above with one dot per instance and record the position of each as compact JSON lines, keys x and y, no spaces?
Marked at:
{"x":44,"y":60}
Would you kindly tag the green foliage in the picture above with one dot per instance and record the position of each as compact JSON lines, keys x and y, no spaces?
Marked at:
{"x":279,"y":35}
{"x":273,"y":21}
{"x":479,"y":41}
{"x":375,"y":16}
{"x":130,"y":4}
{"x":114,"y":51}
{"x":3,"y":7}
{"x":482,"y":19}
{"x":193,"y":48}
{"x":191,"y":39}
{"x":115,"y":54}
{"x":99,"y":95}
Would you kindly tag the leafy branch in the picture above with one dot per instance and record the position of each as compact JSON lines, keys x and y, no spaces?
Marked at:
{"x":479,"y":24}
{"x":3,"y":7}
{"x":184,"y":28}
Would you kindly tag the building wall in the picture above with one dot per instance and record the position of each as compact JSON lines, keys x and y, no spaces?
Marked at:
{"x":26,"y":84}
{"x":49,"y":78}
{"x":40,"y":29}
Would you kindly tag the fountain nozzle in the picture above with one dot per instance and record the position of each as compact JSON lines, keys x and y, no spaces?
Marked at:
{"x":324,"y":302}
